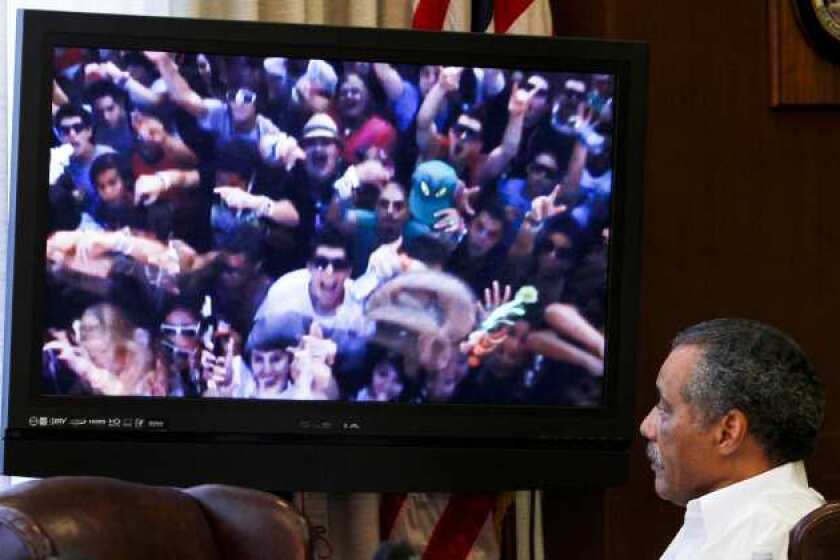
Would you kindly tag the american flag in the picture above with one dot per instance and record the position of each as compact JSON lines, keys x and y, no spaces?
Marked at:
{"x":531,"y":17}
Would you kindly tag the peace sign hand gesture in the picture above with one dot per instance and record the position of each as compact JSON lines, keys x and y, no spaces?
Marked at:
{"x":545,"y":207}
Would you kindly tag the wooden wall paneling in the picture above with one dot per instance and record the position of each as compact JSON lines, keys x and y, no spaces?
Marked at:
{"x":573,"y":524}
{"x":740,"y":219}
{"x":799,"y":76}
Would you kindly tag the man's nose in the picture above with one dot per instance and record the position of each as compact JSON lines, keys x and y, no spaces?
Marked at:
{"x":648,"y":426}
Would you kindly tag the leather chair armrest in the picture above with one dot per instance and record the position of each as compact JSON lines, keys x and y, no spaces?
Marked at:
{"x":817,"y":535}
{"x":252,"y":525}
{"x":21,"y":538}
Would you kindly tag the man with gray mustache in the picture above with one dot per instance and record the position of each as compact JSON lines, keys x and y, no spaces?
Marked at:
{"x":739,"y":408}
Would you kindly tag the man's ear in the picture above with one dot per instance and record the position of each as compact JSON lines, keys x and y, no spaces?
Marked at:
{"x":732,"y":430}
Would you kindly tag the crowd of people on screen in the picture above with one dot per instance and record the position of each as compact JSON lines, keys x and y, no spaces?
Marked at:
{"x":278,"y":228}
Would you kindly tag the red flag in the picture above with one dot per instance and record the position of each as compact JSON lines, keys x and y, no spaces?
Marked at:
{"x":506,"y":12}
{"x":445,"y":526}
{"x":532,"y":17}
{"x":430,"y":14}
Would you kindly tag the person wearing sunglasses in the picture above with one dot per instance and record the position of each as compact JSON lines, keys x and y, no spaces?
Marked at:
{"x":321,"y":292}
{"x":371,"y":229}
{"x":516,"y":193}
{"x":556,"y":254}
{"x":462,"y":146}
{"x":235,"y":116}
{"x":74,"y":128}
{"x":180,"y":345}
{"x":538,"y":134}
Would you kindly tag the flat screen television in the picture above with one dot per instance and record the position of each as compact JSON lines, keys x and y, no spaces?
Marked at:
{"x":319,"y":258}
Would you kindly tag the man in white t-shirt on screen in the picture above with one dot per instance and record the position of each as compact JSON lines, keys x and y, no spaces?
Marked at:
{"x":740,"y":406}
{"x":321,"y":293}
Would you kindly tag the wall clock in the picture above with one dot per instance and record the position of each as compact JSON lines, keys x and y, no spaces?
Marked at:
{"x":820,"y":22}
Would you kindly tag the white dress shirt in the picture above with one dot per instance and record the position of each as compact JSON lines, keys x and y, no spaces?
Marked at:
{"x":749,"y":520}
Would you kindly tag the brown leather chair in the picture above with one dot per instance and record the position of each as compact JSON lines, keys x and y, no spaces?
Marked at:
{"x":817,"y":535}
{"x":75,"y":518}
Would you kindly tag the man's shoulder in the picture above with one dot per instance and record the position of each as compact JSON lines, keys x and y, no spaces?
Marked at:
{"x":762,"y":525}
{"x":784,"y":507}
{"x":292,"y":279}
{"x":289,"y":290}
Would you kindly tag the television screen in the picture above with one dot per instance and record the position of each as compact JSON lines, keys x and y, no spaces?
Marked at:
{"x":342,"y":237}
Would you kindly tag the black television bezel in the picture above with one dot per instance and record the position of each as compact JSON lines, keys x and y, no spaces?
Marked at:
{"x":411,"y":439}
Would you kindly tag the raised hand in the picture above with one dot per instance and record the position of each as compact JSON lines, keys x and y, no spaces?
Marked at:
{"x":312,"y":365}
{"x":384,"y":261}
{"x":494,"y":297}
{"x":73,"y":355}
{"x":217,"y":371}
{"x":448,"y":220}
{"x":317,"y":347}
{"x":372,"y":171}
{"x":545,"y":206}
{"x":157,"y":57}
{"x":464,"y":196}
{"x":214,"y":371}
{"x":450,"y":78}
{"x":80,"y":362}
{"x":520,"y":98}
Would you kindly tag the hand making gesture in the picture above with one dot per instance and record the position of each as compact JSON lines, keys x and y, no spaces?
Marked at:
{"x":545,"y":207}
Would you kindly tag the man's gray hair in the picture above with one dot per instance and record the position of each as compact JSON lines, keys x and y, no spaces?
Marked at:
{"x":759,"y":370}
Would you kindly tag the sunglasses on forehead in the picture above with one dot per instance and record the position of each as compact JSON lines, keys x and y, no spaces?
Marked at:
{"x":75,"y":127}
{"x":190,"y":331}
{"x":322,"y":263}
{"x":242,"y":96}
